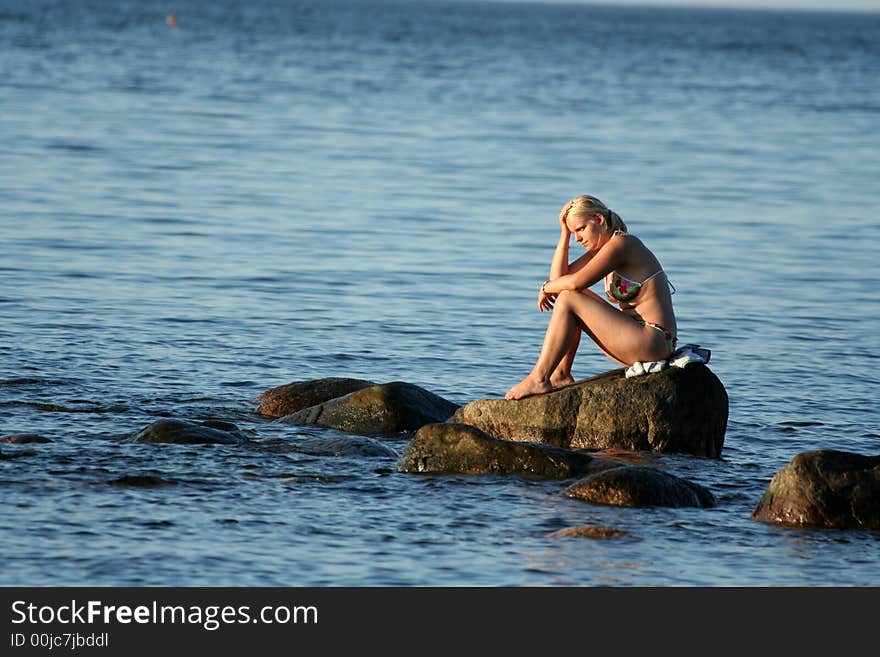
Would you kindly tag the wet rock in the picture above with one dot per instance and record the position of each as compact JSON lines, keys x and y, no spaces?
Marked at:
{"x":345,"y":446}
{"x":587,"y":531}
{"x":635,"y":485}
{"x":381,"y":409}
{"x":184,"y":432}
{"x":223,"y":425}
{"x":677,"y":410}
{"x":293,"y":397}
{"x":447,"y":448}
{"x":824,"y":488}
{"x":24,"y":439}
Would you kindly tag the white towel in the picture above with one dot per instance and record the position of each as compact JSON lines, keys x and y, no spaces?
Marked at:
{"x":681,"y":357}
{"x":647,"y":367}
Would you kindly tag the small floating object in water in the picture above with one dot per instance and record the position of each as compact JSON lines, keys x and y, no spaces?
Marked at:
{"x":171,"y":20}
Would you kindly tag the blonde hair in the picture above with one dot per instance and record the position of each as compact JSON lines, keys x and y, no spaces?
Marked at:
{"x":588,"y":207}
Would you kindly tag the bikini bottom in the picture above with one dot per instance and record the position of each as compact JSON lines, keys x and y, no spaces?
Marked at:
{"x":671,"y":340}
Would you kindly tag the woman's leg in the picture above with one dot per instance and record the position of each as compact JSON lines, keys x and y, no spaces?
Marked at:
{"x":562,"y":376}
{"x":620,"y":336}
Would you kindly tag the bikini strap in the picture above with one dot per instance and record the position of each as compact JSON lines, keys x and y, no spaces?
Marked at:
{"x":668,"y":282}
{"x":654,"y":275}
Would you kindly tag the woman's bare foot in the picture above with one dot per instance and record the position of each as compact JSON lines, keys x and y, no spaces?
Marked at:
{"x":561,"y":382}
{"x":528,"y":386}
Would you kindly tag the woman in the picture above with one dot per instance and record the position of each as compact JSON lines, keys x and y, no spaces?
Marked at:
{"x":641,"y":327}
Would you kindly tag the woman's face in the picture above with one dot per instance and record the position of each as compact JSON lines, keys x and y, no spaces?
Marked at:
{"x":589,"y":232}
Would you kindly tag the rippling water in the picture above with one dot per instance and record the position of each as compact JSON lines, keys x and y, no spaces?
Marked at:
{"x":282,"y":191}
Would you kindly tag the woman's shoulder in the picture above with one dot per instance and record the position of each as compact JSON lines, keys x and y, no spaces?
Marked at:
{"x":627,"y":242}
{"x":631,"y":248}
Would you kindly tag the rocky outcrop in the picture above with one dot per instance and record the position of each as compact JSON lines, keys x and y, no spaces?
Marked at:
{"x":24,"y":439}
{"x":384,"y":409}
{"x":677,"y":410}
{"x":184,"y":432}
{"x":293,"y":397}
{"x":635,"y":485}
{"x":824,"y":488}
{"x":461,"y":449}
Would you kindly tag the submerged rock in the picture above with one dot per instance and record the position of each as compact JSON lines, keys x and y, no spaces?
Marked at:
{"x":676,"y":410}
{"x":461,"y":449}
{"x":184,"y":432}
{"x":24,"y":439}
{"x":141,"y":481}
{"x":636,"y":485}
{"x":293,"y":397}
{"x":381,"y":409}
{"x":824,"y":488}
{"x":344,"y":446}
{"x":587,"y":531}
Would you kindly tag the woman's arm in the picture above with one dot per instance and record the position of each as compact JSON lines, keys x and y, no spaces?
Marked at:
{"x":559,"y":264}
{"x":591,"y":268}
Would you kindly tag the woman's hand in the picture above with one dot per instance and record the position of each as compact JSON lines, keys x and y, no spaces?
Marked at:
{"x":563,"y":213}
{"x":545,"y":299}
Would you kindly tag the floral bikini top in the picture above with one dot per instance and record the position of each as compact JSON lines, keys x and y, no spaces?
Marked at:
{"x":622,"y":288}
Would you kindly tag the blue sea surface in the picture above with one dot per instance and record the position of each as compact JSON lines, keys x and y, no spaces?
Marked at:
{"x":280,"y":191}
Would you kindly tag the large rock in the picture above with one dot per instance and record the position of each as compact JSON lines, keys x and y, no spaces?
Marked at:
{"x":676,"y":410}
{"x":449,"y":448}
{"x":824,"y":488}
{"x":293,"y":397}
{"x":638,"y":485}
{"x":184,"y":432}
{"x":382,"y":409}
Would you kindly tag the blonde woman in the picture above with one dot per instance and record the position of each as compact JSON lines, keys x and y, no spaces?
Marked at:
{"x":639,"y":326}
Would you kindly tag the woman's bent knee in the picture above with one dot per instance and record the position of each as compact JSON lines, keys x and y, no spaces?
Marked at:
{"x":565,"y":297}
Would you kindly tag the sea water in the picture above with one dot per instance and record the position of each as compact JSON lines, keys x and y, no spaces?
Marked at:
{"x":280,"y":191}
